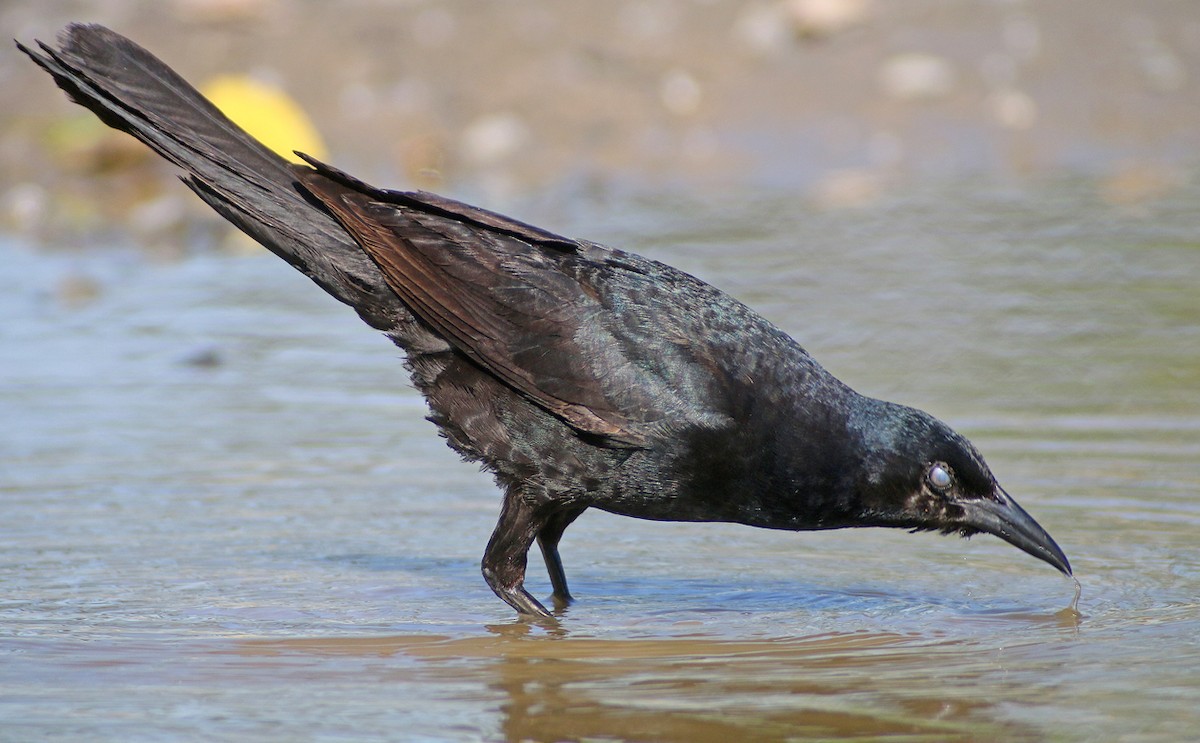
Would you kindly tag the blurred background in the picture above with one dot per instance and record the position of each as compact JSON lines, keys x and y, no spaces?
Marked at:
{"x":841,"y":102}
{"x":223,"y":516}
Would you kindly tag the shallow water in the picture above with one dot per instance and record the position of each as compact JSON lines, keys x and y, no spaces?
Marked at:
{"x":224,"y":516}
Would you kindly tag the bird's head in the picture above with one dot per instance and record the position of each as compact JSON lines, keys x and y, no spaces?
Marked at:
{"x":919,"y":474}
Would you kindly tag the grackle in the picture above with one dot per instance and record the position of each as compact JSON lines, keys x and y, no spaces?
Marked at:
{"x":579,"y":375}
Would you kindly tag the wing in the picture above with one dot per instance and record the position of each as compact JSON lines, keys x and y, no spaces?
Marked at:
{"x":496,"y":290}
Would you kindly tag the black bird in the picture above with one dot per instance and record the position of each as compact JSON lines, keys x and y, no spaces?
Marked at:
{"x":579,"y":375}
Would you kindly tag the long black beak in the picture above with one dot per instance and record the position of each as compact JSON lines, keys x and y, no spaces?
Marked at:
{"x":1004,"y":518}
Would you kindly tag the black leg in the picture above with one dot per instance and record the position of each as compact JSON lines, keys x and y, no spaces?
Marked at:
{"x":505,"y":558}
{"x":548,"y":539}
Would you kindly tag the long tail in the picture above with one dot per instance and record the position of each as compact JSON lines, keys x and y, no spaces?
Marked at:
{"x":255,"y":189}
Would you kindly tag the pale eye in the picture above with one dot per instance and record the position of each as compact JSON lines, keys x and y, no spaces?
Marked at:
{"x":939,"y":477}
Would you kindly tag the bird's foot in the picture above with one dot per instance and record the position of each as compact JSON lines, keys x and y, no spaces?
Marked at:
{"x":525,"y":604}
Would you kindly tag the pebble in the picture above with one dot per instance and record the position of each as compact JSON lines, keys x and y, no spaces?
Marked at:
{"x":1013,"y":109}
{"x":24,"y":206}
{"x":822,"y":18}
{"x":915,"y":76}
{"x":492,"y":138}
{"x":762,"y":29}
{"x":203,"y":357}
{"x":1165,"y":72}
{"x":77,"y":290}
{"x":771,"y":27}
{"x":680,"y":92}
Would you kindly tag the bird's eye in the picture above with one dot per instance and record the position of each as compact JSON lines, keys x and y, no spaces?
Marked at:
{"x":939,"y":477}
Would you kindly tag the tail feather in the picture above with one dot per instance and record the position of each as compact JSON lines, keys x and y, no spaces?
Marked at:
{"x":248,"y":184}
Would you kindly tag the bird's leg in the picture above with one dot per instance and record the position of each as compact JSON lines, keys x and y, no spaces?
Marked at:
{"x":505,"y":558}
{"x":547,"y":539}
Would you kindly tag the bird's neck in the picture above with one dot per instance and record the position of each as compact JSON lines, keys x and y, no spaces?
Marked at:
{"x":790,"y":466}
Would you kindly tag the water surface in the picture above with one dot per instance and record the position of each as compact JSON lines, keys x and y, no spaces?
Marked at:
{"x":224,"y":516}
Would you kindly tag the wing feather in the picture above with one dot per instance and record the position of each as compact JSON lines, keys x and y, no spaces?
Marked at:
{"x":500,"y":301}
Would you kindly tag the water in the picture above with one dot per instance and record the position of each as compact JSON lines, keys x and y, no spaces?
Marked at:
{"x":224,"y":516}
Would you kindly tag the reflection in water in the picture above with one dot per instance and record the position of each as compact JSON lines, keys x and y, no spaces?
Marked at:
{"x":556,"y":687}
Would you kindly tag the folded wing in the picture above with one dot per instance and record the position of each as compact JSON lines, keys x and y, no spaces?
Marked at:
{"x":503,"y":293}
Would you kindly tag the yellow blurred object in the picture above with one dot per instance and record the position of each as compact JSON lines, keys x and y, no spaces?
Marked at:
{"x":267,"y":113}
